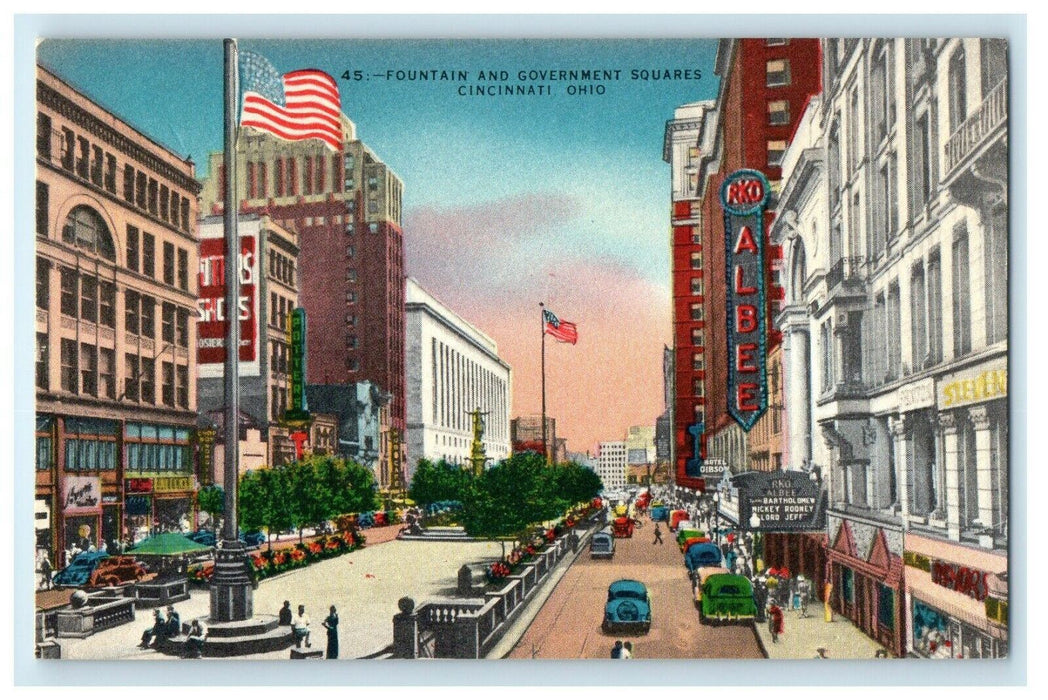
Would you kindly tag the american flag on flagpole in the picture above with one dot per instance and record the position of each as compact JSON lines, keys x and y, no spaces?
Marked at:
{"x":563,"y":331}
{"x":300,"y":105}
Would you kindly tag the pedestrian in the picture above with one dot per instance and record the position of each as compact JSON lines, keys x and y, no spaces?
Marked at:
{"x":331,"y":625}
{"x":300,"y":627}
{"x":658,"y":535}
{"x":45,"y":573}
{"x":285,"y":615}
{"x":194,"y":648}
{"x":775,"y":622}
{"x":627,"y":651}
{"x":803,"y":594}
{"x":616,"y":651}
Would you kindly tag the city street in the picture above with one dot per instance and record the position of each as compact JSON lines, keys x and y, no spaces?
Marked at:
{"x":569,"y":624}
{"x":364,"y":586}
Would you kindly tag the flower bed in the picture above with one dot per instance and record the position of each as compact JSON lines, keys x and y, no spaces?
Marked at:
{"x":272,"y":562}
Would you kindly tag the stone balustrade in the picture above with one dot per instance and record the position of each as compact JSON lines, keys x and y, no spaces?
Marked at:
{"x":470,"y":628}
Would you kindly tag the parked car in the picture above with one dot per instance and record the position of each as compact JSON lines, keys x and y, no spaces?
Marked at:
{"x":685,"y":534}
{"x":114,"y":571}
{"x":204,"y":537}
{"x":676,"y":517}
{"x":692,"y":540}
{"x":255,"y":538}
{"x":628,"y":608}
{"x":622,"y":527}
{"x":724,"y":597}
{"x":602,"y":546}
{"x":702,"y":554}
{"x":79,"y":570}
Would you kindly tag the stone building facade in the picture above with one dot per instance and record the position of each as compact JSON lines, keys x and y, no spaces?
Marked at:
{"x":116,"y":261}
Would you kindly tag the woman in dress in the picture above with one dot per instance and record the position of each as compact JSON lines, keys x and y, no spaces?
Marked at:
{"x":331,"y":625}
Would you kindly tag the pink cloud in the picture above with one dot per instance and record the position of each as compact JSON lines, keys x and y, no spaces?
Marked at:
{"x":596,"y":389}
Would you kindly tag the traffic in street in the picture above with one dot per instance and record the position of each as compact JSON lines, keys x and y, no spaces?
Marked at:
{"x":571,"y":622}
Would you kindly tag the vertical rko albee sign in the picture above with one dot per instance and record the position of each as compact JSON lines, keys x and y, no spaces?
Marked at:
{"x":744,"y":196}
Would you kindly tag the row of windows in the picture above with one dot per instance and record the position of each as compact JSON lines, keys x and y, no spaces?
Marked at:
{"x":141,"y":257}
{"x":287,"y":181}
{"x":76,"y":154}
{"x":90,"y":162}
{"x":89,"y":370}
{"x":280,"y":308}
{"x":879,"y":359}
{"x":282,"y":268}
{"x":91,"y":445}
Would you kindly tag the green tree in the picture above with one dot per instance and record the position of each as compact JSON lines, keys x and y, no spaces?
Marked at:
{"x":212,"y":500}
{"x":574,"y":483}
{"x":438,"y":481}
{"x":508,"y":499}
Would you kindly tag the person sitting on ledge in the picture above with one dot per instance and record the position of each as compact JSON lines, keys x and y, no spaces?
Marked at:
{"x":158,"y":630}
{"x":195,"y":641}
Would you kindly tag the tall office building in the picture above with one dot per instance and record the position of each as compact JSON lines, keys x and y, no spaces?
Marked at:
{"x":346,"y":209}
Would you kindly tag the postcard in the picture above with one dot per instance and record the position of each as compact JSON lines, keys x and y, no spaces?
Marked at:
{"x":545,"y":349}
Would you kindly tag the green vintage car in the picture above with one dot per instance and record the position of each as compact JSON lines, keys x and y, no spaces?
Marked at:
{"x":685,"y":534}
{"x":724,"y":597}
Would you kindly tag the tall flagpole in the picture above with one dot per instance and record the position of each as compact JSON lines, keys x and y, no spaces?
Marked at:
{"x":545,"y":444}
{"x":231,"y":583}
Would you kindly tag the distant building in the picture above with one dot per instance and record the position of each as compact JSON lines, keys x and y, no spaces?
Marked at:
{"x":360,"y":423}
{"x":453,"y":368}
{"x":346,"y":210}
{"x":526,"y":433}
{"x":611,"y":464}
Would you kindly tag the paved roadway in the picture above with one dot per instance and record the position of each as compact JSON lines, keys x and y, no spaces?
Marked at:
{"x":569,"y":624}
{"x":364,"y":586}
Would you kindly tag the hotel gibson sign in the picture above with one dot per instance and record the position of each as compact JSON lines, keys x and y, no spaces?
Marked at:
{"x":744,"y":195}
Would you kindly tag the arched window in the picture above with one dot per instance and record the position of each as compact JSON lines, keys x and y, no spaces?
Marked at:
{"x":84,"y":228}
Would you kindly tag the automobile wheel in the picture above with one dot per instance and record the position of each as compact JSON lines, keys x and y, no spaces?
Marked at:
{"x":628,"y":611}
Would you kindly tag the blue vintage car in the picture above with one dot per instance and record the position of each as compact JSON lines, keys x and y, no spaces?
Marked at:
{"x":79,"y":570}
{"x":628,"y":608}
{"x":660,"y":514}
{"x":702,"y":554}
{"x":602,"y":546}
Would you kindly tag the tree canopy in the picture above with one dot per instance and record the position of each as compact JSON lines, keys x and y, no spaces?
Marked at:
{"x":521,"y":492}
{"x":304,"y":493}
{"x":439,"y":481}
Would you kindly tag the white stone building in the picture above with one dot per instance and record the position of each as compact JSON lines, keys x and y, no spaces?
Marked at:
{"x":893,"y":218}
{"x":612,"y":465}
{"x":452,"y":369}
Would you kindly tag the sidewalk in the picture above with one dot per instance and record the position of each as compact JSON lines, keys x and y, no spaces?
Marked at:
{"x":59,"y":597}
{"x":802,"y":636}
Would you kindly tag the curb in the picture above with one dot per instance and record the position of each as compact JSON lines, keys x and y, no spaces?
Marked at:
{"x":531,"y":610}
{"x":759,"y":638}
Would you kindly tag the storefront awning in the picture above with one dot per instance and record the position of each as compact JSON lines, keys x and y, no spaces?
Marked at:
{"x":168,"y":544}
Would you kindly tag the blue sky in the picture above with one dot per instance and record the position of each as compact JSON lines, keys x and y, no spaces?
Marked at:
{"x":508,"y":201}
{"x":449,"y":150}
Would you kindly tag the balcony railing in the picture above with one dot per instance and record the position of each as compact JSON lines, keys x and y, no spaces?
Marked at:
{"x":846,"y":270}
{"x":992,"y":113}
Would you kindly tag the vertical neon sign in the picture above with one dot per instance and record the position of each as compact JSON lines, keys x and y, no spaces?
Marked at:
{"x":744,"y":196}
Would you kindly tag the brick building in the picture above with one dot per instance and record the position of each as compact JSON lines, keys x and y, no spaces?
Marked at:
{"x":346,"y":209}
{"x":765,"y":84}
